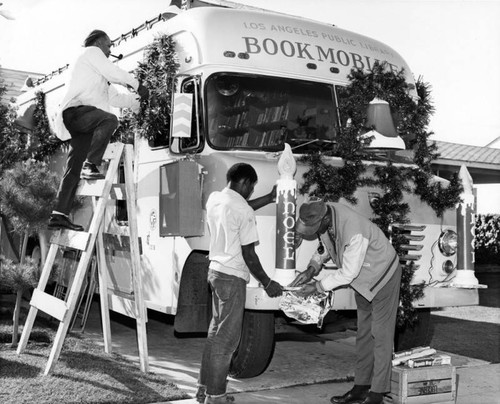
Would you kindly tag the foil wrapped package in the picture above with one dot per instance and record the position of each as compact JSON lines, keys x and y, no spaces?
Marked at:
{"x":309,"y":310}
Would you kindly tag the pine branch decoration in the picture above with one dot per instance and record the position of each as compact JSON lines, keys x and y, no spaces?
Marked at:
{"x":157,"y":71}
{"x":44,"y":141}
{"x":13,"y":143}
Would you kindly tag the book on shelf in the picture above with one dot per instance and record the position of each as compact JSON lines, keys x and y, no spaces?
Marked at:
{"x":276,"y":113}
{"x":284,"y":114}
{"x":243,"y":119}
{"x":260,"y":118}
{"x":244,"y":140}
{"x":267,"y":115}
{"x":263,"y":139}
{"x":275,"y":136}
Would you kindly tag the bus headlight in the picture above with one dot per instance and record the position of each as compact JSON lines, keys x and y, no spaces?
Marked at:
{"x":448,"y":267}
{"x":448,"y":242}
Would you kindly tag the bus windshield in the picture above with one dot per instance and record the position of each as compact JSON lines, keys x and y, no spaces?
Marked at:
{"x":262,"y":113}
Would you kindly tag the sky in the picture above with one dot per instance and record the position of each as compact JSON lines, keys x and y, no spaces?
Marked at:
{"x":453,"y":45}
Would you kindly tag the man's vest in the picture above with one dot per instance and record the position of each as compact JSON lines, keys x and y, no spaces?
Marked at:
{"x":381,"y":260}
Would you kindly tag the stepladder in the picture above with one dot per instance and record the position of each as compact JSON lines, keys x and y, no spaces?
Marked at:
{"x":91,"y":244}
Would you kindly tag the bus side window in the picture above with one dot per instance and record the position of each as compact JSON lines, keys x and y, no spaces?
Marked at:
{"x":192,"y":143}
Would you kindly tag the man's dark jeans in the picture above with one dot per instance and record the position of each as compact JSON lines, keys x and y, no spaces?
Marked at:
{"x":228,"y":305}
{"x":91,"y":129}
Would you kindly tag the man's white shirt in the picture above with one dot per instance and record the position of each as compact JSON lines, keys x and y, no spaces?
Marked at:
{"x":232,"y":224}
{"x":90,"y":83}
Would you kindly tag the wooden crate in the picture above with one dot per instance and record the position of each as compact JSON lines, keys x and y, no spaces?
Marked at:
{"x":425,"y":385}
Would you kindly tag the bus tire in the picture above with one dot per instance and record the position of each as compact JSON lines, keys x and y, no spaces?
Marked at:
{"x":256,"y":347}
{"x":418,"y":335}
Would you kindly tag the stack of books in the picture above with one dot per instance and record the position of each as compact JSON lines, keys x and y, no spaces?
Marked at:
{"x":420,"y":357}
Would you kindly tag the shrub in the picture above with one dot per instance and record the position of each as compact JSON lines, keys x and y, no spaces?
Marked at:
{"x":487,"y":242}
{"x":27,"y":194}
{"x":16,"y":276}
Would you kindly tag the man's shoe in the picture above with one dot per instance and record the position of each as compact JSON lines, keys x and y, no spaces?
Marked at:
{"x":224,"y":399}
{"x":350,"y":398}
{"x":90,"y":172}
{"x":373,"y":398}
{"x":57,"y":222}
{"x":201,"y":393}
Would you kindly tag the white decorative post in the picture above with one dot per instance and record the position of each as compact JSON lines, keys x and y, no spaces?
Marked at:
{"x":465,"y":231}
{"x":286,"y":202}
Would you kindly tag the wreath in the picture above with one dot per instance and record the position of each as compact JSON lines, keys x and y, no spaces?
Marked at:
{"x":333,"y":183}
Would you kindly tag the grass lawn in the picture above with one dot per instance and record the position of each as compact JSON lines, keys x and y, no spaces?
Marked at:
{"x":84,"y":373}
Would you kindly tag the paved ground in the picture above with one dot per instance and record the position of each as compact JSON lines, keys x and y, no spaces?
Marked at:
{"x":306,"y":367}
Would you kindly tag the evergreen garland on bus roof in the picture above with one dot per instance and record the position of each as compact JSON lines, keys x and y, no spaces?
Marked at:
{"x":44,"y":142}
{"x":13,"y":143}
{"x":157,"y":72}
{"x":41,"y":143}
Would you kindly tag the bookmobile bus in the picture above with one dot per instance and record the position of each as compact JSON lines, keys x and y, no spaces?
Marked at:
{"x":257,"y":81}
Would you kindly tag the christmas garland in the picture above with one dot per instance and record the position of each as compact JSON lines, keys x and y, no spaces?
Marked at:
{"x":411,"y":119}
{"x":44,"y":141}
{"x":13,"y":143}
{"x":157,"y":72}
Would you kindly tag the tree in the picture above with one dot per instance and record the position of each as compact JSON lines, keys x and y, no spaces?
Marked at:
{"x":27,"y":194}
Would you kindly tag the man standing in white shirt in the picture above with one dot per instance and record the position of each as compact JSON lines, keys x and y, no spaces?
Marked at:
{"x":233,"y":235}
{"x":368,"y":263}
{"x":86,"y":120}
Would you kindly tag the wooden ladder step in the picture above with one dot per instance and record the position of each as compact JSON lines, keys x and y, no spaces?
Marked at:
{"x":96,"y":188}
{"x":113,"y":151}
{"x":49,"y":304}
{"x":78,"y":240}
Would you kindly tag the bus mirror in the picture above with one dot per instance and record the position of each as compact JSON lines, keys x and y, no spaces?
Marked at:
{"x":182,"y":116}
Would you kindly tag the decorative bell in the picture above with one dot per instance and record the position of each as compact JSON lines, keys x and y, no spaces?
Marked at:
{"x":378,"y":117}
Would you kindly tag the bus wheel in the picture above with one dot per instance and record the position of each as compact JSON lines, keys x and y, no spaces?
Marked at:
{"x":256,"y":345}
{"x":418,"y":335}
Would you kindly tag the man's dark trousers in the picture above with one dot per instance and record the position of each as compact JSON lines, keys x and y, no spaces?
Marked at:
{"x":224,"y":332}
{"x":91,"y":129}
{"x":375,"y":336}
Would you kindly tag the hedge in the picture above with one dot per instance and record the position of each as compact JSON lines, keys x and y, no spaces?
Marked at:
{"x":487,"y":243}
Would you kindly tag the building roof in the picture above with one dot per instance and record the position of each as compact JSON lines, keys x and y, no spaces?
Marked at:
{"x":483,"y":163}
{"x":14,"y":81}
{"x":494,"y":143}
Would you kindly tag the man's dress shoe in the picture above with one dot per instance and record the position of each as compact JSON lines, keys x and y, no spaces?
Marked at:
{"x":91,"y":172}
{"x":350,"y":398}
{"x":372,"y":400}
{"x":57,"y":222}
